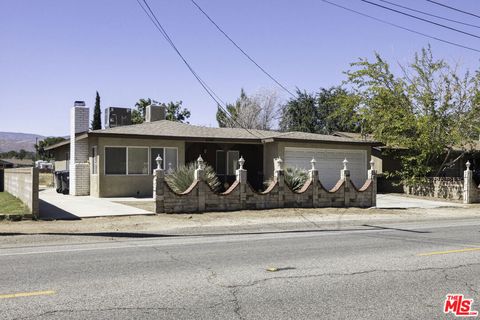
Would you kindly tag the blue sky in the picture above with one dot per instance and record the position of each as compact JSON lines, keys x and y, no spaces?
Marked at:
{"x":54,"y":52}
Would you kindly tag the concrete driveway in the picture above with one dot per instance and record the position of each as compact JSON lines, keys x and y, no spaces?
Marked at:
{"x":57,"y":206}
{"x":399,"y":201}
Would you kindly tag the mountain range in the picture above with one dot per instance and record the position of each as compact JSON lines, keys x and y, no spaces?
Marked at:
{"x":15,"y":141}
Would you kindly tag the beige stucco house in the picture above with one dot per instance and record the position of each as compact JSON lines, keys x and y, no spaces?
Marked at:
{"x":119,"y":161}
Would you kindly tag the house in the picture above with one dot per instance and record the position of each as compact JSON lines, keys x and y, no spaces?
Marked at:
{"x":119,"y":161}
{"x":16,"y":163}
{"x":4,"y":164}
{"x":386,"y":160}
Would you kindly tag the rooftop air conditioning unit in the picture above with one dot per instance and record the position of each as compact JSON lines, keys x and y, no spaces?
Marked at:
{"x":117,"y":117}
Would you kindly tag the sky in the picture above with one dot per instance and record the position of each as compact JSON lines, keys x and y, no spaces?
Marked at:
{"x":53,"y":52}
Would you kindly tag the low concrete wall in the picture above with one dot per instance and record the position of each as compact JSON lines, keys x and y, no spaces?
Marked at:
{"x":447,"y":188}
{"x":23,"y":184}
{"x":199,"y":197}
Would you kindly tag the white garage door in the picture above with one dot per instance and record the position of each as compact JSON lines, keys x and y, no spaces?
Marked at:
{"x":329,"y":163}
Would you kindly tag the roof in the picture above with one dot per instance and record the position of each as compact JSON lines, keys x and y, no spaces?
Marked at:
{"x":58,"y":144}
{"x":354,"y":135}
{"x":18,"y":162}
{"x":177,"y":130}
{"x":166,"y":128}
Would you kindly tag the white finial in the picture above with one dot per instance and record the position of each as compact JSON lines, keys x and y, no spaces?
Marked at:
{"x":241,"y":162}
{"x":159,"y":162}
{"x":372,"y":165}
{"x":468,"y":165}
{"x":313,"y":162}
{"x":200,"y":162}
{"x":345,"y":162}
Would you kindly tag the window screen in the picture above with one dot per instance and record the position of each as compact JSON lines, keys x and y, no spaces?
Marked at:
{"x":115,"y":160}
{"x":137,"y":160}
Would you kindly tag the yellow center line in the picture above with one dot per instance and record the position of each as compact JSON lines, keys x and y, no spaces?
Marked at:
{"x":448,"y":251}
{"x":26,"y":294}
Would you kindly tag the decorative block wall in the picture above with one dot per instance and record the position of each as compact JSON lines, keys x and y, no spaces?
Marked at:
{"x":199,"y":197}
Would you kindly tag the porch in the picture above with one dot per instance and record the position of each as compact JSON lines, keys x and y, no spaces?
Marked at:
{"x":223,"y":157}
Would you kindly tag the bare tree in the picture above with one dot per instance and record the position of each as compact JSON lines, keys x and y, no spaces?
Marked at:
{"x":258,"y":111}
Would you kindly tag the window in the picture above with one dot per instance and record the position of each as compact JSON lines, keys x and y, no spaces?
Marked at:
{"x":67,"y":158}
{"x":137,"y":160}
{"x":94,"y":160}
{"x":115,"y":160}
{"x":220,"y":162}
{"x":154,"y":153}
{"x":226,"y":162}
{"x":232,"y":162}
{"x":170,"y":159}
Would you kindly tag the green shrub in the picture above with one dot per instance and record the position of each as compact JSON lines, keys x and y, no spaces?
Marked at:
{"x":182,"y":178}
{"x":295,"y":178}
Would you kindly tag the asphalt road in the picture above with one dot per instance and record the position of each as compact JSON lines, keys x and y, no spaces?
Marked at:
{"x":393,"y":271}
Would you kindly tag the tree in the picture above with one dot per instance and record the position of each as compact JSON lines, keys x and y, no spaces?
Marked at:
{"x":336,"y":111}
{"x":42,"y":144}
{"x":138,"y":115}
{"x":174,"y":111}
{"x":258,"y":111}
{"x":326,"y":111}
{"x":429,"y":110}
{"x":300,"y":113}
{"x":97,"y":114}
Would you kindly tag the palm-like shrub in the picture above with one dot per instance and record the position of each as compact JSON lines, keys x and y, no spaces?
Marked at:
{"x":182,"y":178}
{"x":295,"y":178}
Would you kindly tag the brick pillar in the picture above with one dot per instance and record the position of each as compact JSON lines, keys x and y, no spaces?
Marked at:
{"x":345,"y":176}
{"x":159,"y":190}
{"x":468,"y":185}
{"x":242,"y":180}
{"x":279,"y":177}
{"x":200,"y":176}
{"x":79,"y":176}
{"x":313,"y":175}
{"x":372,"y":175}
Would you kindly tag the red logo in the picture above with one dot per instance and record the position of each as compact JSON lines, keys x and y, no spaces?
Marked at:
{"x":459,"y":306}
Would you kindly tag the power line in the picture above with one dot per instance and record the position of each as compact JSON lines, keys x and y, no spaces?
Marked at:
{"x":401,"y":27}
{"x":241,"y":50}
{"x":430,"y":14}
{"x":153,"y":18}
{"x":454,"y":9}
{"x":421,"y":19}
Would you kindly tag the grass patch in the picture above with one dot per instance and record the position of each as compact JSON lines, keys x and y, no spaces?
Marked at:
{"x":11,"y":205}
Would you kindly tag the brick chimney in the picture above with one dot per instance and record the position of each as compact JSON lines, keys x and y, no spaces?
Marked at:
{"x":79,"y":167}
